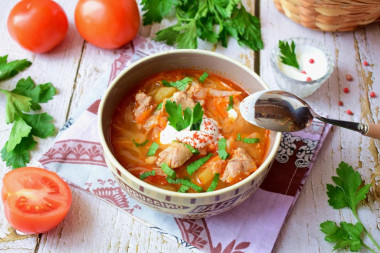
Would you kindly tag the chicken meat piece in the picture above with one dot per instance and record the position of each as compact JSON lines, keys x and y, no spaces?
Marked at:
{"x":184,"y":99}
{"x":175,"y":155}
{"x":144,"y":104}
{"x":240,"y":166}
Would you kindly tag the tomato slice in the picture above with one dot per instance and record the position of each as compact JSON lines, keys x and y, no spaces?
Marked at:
{"x":35,"y":200}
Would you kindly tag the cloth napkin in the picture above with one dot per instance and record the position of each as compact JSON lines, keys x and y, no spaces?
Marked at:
{"x":253,"y":226}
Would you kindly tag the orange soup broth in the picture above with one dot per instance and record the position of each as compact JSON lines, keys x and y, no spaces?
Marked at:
{"x":124,"y":130}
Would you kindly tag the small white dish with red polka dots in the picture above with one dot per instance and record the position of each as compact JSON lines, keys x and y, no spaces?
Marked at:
{"x":315,"y":67}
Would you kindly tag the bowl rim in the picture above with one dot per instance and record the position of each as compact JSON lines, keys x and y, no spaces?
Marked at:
{"x":267,"y":162}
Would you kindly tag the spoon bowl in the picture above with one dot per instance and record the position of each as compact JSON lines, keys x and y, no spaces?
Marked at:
{"x":282,"y":111}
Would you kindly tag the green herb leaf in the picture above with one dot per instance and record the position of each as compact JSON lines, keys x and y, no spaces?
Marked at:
{"x":168,"y":171}
{"x":15,"y":105}
{"x":142,"y":144}
{"x":191,"y":148}
{"x":175,"y":118}
{"x":348,"y":192}
{"x":147,"y":174}
{"x":346,"y":236}
{"x":183,"y":188}
{"x":152,"y":149}
{"x":159,"y":106}
{"x":187,"y":37}
{"x":288,"y":54}
{"x":192,"y":167}
{"x":10,"y":69}
{"x":203,"y":77}
{"x":41,"y":124}
{"x":180,"y":84}
{"x":168,"y":35}
{"x":222,"y":145}
{"x":41,"y":93}
{"x":251,"y":140}
{"x":185,"y":182}
{"x":230,"y":103}
{"x":20,"y":130}
{"x":19,"y":156}
{"x":197,"y":117}
{"x":238,"y":138}
{"x":156,"y":10}
{"x":214,"y":183}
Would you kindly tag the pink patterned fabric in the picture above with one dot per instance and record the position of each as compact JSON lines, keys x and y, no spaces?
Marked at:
{"x":252,"y":226}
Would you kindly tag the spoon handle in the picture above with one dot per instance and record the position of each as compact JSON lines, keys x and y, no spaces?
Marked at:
{"x":370,"y":130}
{"x":373,"y":131}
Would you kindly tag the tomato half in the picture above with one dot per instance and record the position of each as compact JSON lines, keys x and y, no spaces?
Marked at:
{"x":107,"y":24}
{"x":37,"y":25}
{"x":35,"y":200}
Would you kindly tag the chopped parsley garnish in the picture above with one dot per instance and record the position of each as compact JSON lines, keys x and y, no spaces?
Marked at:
{"x":288,"y":54}
{"x":191,"y":148}
{"x":168,"y":171}
{"x":214,"y":182}
{"x":251,"y":140}
{"x":185,"y":182}
{"x":189,"y":117}
{"x":152,"y":150}
{"x":222,"y":145}
{"x":230,"y":103}
{"x":203,"y":77}
{"x":159,"y":106}
{"x":180,"y":84}
{"x":197,"y":116}
{"x":199,"y":19}
{"x":192,"y":167}
{"x":238,"y":138}
{"x":142,"y":144}
{"x":147,"y":174}
{"x":183,"y":188}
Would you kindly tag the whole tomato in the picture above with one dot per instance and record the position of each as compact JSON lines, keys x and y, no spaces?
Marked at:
{"x":37,"y":25}
{"x":35,"y":200}
{"x":107,"y":24}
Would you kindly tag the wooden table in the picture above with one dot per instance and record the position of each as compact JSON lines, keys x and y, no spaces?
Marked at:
{"x":95,"y":226}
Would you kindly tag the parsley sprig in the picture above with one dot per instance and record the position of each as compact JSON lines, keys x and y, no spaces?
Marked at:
{"x":288,"y":53}
{"x":348,"y":192}
{"x":200,"y":19}
{"x":180,"y":84}
{"x":182,"y":119}
{"x":26,"y":97}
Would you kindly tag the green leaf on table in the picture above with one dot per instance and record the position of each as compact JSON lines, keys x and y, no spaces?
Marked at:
{"x":346,"y":236}
{"x":19,"y":156}
{"x":168,"y":35}
{"x":288,"y":54}
{"x":41,"y":124}
{"x":156,"y":10}
{"x":348,"y":191}
{"x":15,"y":105}
{"x":10,"y":69}
{"x":19,"y":130}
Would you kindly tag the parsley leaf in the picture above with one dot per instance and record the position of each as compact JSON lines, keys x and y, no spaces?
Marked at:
{"x":19,"y":156}
{"x":348,"y":192}
{"x":159,"y":106}
{"x":19,"y":130}
{"x":175,"y":118}
{"x":230,"y":103}
{"x":347,"y":235}
{"x":10,"y":69}
{"x":200,"y":19}
{"x":185,"y":182}
{"x":203,"y":77}
{"x":192,"y":167}
{"x":180,"y":84}
{"x":41,"y":124}
{"x":147,"y":174}
{"x":214,"y":183}
{"x":191,"y":148}
{"x":251,"y":140}
{"x":222,"y":145}
{"x":15,"y":105}
{"x":197,"y":117}
{"x":142,"y":144}
{"x":288,"y":54}
{"x":168,"y":171}
{"x":152,"y":149}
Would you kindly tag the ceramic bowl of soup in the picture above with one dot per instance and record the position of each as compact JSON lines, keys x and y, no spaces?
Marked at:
{"x":174,"y":138}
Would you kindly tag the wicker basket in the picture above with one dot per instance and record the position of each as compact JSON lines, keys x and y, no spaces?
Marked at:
{"x":331,"y":15}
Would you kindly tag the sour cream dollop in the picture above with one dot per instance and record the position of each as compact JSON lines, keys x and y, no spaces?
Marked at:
{"x":208,"y":134}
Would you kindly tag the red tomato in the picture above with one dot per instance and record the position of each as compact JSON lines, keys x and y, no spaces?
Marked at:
{"x":35,"y":200}
{"x":37,"y":25}
{"x":107,"y":24}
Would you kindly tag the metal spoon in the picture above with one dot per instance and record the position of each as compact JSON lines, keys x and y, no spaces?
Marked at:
{"x":282,"y":111}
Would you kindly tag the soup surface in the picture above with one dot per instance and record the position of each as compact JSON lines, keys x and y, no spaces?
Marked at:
{"x":182,"y":131}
